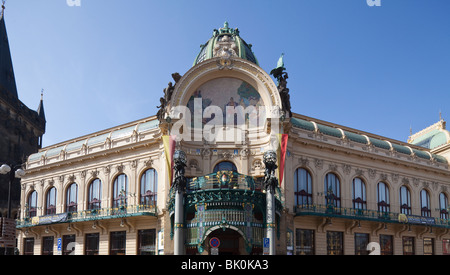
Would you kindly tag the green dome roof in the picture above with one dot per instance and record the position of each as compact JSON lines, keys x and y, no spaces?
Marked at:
{"x":226,"y":42}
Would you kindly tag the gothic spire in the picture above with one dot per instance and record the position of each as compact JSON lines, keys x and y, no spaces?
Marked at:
{"x":7,"y":79}
{"x":40,"y":110}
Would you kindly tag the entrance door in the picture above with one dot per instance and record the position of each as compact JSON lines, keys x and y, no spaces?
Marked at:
{"x":230,"y":242}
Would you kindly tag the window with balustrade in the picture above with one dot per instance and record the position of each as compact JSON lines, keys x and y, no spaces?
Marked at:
{"x":405,"y":200}
{"x":302,"y":187}
{"x":50,"y":205}
{"x":72,"y":198}
{"x":149,"y":187}
{"x":95,"y":194}
{"x":359,"y":194}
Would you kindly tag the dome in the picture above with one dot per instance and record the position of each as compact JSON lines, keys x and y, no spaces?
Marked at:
{"x":227,"y":43}
{"x":432,"y":137}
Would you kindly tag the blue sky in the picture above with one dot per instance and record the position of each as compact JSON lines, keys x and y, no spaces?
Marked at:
{"x":105,"y":63}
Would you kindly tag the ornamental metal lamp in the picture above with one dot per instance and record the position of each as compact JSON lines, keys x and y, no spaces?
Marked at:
{"x":15,"y":172}
{"x":179,"y":183}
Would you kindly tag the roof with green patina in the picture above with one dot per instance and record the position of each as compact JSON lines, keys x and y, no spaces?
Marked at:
{"x":431,"y":137}
{"x":391,"y":145}
{"x":229,"y":38}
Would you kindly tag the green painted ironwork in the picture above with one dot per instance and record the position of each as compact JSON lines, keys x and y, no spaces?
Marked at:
{"x":96,"y":214}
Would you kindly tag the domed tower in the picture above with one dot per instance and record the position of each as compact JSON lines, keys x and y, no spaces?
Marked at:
{"x":224,"y":113}
{"x":226,"y":42}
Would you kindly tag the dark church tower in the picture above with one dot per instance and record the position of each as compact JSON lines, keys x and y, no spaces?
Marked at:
{"x":21,"y":128}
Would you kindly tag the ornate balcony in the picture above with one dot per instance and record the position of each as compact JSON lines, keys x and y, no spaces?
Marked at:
{"x":89,"y":215}
{"x":225,"y":200}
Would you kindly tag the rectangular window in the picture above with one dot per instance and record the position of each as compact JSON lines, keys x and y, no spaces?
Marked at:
{"x":428,"y":246}
{"x":304,"y":243}
{"x":117,"y":243}
{"x":147,"y":242}
{"x":335,"y":243}
{"x":91,"y":244}
{"x":386,"y":245}
{"x":28,"y":246}
{"x":408,"y":246}
{"x":68,"y":244}
{"x":446,"y":247}
{"x":47,"y":245}
{"x":361,"y":242}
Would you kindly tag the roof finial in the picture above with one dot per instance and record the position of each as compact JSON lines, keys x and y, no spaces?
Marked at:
{"x":3,"y":7}
{"x":440,"y":115}
{"x":42,"y":94}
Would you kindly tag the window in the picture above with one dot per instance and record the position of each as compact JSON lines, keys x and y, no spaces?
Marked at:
{"x":408,"y":245}
{"x":28,"y":246}
{"x":386,"y":245}
{"x":32,"y":204}
{"x":335,"y":243}
{"x":333,"y":190}
{"x":120,"y":191}
{"x":71,"y":198}
{"x":117,"y":243}
{"x":149,"y":187}
{"x":92,"y":242}
{"x":383,"y":197}
{"x":47,"y":245}
{"x":302,"y":187}
{"x":405,"y":200}
{"x":359,"y":194}
{"x":425,"y":203}
{"x":443,"y":205}
{"x":361,"y":242}
{"x":445,"y":247}
{"x":304,"y":243}
{"x":428,"y":246}
{"x":95,"y":195}
{"x":147,"y":242}
{"x":225,"y":166}
{"x":50,"y":206}
{"x":68,"y":245}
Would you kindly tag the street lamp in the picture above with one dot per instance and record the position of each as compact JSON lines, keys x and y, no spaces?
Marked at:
{"x":179,"y":184}
{"x":14,"y":172}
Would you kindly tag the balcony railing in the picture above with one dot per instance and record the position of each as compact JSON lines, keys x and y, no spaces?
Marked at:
{"x":225,"y":180}
{"x":370,"y":215}
{"x":223,"y":186}
{"x":90,"y":215}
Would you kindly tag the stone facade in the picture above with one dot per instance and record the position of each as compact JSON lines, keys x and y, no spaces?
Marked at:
{"x":343,"y":190}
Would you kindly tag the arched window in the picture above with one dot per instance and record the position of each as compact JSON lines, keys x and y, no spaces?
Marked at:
{"x":95,"y":195}
{"x":302,"y":187}
{"x":443,"y":205}
{"x":32,"y":204}
{"x":225,"y":166}
{"x":120,"y":191}
{"x":50,"y":205}
{"x":405,"y":200}
{"x":383,"y":197}
{"x":425,"y":203}
{"x":333,"y":190}
{"x":72,"y":198}
{"x":149,"y":187}
{"x":359,"y":194}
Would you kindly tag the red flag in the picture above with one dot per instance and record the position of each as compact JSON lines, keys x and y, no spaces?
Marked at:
{"x":283,"y":139}
{"x":169,"y":150}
